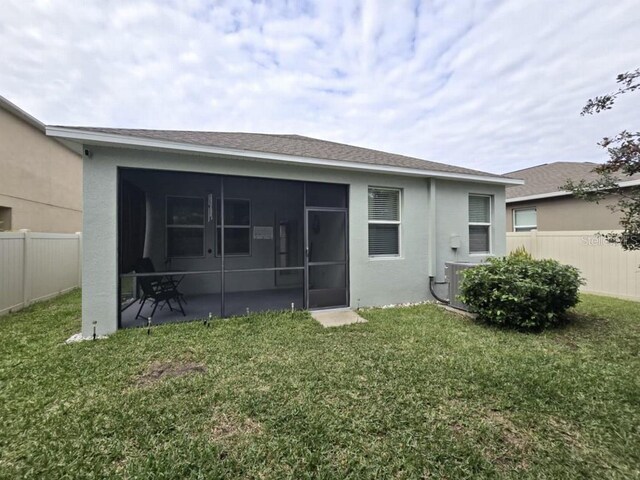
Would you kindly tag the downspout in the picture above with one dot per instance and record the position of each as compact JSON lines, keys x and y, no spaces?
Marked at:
{"x":431,"y":241}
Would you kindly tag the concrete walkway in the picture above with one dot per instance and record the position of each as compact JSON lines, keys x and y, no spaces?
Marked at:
{"x":337,"y":317}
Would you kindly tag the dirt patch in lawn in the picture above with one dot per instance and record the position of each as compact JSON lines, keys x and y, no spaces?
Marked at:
{"x":510,"y":435}
{"x":226,"y":427}
{"x":158,"y":371}
{"x":516,"y":443}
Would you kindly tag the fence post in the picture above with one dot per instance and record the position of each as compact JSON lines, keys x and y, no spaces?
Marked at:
{"x":79,"y":235}
{"x":26,"y":267}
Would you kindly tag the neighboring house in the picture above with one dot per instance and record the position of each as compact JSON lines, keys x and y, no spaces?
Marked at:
{"x":238,"y":222}
{"x":40,"y":178}
{"x":541,"y":205}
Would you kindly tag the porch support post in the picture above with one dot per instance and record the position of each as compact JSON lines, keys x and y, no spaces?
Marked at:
{"x":222,"y":273}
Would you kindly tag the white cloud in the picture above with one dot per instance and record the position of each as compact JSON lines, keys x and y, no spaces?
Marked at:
{"x":493,"y":85}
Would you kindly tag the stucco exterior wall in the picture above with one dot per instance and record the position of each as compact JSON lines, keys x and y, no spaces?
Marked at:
{"x":372,"y":281}
{"x":452,"y":218}
{"x":40,"y":179}
{"x":568,"y":214}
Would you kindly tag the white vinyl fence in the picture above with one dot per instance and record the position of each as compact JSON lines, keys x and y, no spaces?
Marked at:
{"x":607,"y":268}
{"x":37,"y":266}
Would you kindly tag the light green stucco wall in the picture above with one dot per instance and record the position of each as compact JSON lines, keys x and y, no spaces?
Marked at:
{"x":372,"y":281}
{"x":452,"y":218}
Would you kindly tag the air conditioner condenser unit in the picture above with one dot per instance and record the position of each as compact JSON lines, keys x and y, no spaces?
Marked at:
{"x":453,"y":275}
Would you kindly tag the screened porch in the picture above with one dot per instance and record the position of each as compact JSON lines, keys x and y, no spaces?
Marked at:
{"x":195,"y":245}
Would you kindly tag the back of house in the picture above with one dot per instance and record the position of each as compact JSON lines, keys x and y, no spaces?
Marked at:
{"x":183,"y":225}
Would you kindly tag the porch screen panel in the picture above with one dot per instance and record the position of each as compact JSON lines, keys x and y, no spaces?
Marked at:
{"x":326,"y":195}
{"x":263,"y":245}
{"x":237,"y":227}
{"x":132,"y":227}
{"x":185,"y":226}
{"x":175,"y":274}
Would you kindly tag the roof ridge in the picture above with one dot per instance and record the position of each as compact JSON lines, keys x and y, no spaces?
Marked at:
{"x":563,"y":162}
{"x":306,"y":138}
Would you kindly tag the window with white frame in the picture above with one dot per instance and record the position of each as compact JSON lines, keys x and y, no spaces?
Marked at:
{"x":237,"y":227}
{"x":185,"y":227}
{"x":479,"y":224}
{"x":384,"y":222}
{"x":525,"y":219}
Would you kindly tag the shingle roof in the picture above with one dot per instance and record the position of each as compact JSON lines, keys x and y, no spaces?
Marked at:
{"x":549,"y":177}
{"x":295,"y":145}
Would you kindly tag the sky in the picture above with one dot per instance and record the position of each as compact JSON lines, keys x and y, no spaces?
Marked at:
{"x":495,"y":85}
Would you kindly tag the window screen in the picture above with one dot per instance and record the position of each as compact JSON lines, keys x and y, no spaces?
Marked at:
{"x":185,"y":227}
{"x":479,"y":224}
{"x":384,"y":222}
{"x":479,"y":209}
{"x":525,"y":220}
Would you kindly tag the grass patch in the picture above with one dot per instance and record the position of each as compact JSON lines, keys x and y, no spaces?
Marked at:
{"x":415,"y":392}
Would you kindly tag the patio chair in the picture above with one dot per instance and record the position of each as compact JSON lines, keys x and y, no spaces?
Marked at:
{"x":145,"y":265}
{"x":159,"y":289}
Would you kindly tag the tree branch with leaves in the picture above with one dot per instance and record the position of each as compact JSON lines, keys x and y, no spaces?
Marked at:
{"x":624,"y":161}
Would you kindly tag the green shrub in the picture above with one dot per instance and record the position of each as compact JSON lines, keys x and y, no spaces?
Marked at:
{"x":521,"y":253}
{"x":518,"y":291}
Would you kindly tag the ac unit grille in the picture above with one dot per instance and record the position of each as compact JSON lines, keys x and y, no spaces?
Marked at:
{"x":453,"y":275}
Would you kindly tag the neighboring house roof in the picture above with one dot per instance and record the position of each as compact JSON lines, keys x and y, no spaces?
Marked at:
{"x":31,"y":120}
{"x":18,"y":112}
{"x":292,"y":148}
{"x":545,"y":181}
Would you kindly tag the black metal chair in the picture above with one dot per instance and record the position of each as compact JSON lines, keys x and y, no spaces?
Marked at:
{"x":146,"y":265}
{"x":157,"y":288}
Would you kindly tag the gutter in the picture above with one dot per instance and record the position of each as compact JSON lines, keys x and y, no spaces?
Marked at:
{"x":431,"y":242}
{"x":431,"y":235}
{"x":97,"y":138}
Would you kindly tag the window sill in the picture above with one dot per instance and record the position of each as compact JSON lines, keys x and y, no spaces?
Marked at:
{"x":383,"y":258}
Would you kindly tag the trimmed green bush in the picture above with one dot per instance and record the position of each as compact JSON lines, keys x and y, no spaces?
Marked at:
{"x":520,"y":292}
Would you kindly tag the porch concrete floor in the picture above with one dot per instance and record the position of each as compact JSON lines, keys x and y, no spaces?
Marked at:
{"x":337,"y":317}
{"x":199,"y":306}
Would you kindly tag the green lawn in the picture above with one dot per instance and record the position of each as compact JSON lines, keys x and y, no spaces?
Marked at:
{"x":416,"y":392}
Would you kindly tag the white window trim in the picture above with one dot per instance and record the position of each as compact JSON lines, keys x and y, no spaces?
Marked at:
{"x":386,"y":222}
{"x":218,"y":226}
{"x":167,"y":226}
{"x":482,"y":224}
{"x":531,"y":227}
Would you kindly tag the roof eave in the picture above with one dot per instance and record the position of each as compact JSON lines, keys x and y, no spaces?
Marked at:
{"x":563,"y":193}
{"x":21,"y":114}
{"x":538,"y":196}
{"x":98,"y":138}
